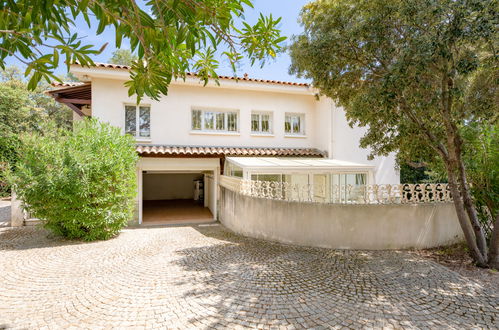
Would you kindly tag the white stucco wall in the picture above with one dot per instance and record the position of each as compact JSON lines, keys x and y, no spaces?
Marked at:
{"x":171,"y":116}
{"x":345,"y":146}
{"x":325,"y":125}
{"x":369,"y":227}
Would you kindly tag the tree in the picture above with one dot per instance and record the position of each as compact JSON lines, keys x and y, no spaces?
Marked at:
{"x":22,"y":111}
{"x":63,"y":179}
{"x":169,"y":37}
{"x":416,"y":73}
{"x":123,"y":57}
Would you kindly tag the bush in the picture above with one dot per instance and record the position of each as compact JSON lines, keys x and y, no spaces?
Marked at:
{"x":81,"y":182}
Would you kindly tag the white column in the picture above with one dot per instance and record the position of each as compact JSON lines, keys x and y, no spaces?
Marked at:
{"x":17,"y":213}
{"x":139,"y":186}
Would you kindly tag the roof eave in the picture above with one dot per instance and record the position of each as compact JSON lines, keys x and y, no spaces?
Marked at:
{"x":89,"y":73}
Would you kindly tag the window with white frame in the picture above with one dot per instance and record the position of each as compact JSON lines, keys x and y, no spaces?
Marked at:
{"x":215,"y":121}
{"x":261,"y":122}
{"x":138,"y":120}
{"x":294,"y":124}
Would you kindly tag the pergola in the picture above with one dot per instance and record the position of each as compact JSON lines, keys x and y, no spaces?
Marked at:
{"x":75,"y":95}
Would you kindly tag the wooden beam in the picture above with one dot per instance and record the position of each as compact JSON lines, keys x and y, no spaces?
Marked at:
{"x":75,"y":109}
{"x":74,"y":101}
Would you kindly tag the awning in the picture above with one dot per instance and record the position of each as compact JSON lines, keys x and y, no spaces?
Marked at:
{"x":281,"y":165}
{"x":207,"y":151}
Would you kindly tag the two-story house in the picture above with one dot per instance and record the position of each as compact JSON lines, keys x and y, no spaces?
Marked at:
{"x":185,"y":138}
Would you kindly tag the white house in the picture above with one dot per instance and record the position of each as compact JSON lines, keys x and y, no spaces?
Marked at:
{"x":185,"y":137}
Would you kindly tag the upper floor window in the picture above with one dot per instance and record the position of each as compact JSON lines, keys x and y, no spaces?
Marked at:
{"x":261,"y":122}
{"x":218,"y":121}
{"x":138,"y":121}
{"x":294,"y":123}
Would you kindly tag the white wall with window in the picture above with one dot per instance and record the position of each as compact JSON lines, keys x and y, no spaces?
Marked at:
{"x":204,"y":116}
{"x":311,"y":123}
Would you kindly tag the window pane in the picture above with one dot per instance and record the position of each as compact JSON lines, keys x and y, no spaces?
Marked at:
{"x":296,"y":124}
{"x":269,"y":177}
{"x":209,"y":119}
{"x":196,"y":119}
{"x":255,"y":124}
{"x":145,"y":121}
{"x":130,"y":120}
{"x":220,"y":121}
{"x":360,"y":179}
{"x":266,"y":123}
{"x":232,"y":121}
{"x":287,"y":124}
{"x":236,"y":171}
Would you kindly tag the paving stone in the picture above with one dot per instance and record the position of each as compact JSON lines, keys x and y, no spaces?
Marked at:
{"x":206,"y":277}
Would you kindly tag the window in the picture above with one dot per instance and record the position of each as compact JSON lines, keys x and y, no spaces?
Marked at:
{"x":294,"y":124}
{"x":138,"y":121}
{"x":217,"y":121}
{"x":261,"y":122}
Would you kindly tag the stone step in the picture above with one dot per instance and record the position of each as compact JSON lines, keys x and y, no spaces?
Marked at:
{"x":32,"y":222}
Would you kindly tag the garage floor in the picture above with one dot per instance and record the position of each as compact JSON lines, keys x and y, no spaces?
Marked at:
{"x":174,"y":212}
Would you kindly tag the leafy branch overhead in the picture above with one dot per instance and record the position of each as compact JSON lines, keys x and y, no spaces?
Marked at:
{"x":170,"y":37}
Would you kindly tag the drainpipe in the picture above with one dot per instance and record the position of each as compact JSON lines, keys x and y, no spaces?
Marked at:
{"x":331,"y":147}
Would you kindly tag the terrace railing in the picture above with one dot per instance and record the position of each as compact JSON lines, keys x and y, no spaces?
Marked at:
{"x":346,"y":194}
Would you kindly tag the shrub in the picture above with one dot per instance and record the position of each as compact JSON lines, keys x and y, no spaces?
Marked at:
{"x":81,"y":182}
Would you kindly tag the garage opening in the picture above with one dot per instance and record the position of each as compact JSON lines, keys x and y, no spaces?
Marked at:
{"x":175,"y":198}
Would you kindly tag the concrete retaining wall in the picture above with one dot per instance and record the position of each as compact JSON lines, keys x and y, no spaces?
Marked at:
{"x":5,"y":213}
{"x":370,"y":227}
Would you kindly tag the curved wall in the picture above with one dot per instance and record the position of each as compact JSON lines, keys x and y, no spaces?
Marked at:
{"x":367,"y":227}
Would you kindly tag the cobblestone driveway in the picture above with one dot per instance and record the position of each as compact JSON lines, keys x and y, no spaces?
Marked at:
{"x":204,"y":276}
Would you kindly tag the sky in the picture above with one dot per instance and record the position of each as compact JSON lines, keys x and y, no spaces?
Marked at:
{"x":276,"y":70}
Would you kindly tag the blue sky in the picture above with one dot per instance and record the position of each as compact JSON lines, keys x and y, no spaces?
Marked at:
{"x":278,"y":69}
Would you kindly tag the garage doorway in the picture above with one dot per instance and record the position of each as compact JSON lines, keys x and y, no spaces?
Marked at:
{"x":176,"y":197}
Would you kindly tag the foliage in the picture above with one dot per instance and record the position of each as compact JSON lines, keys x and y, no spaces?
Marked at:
{"x":410,"y":174}
{"x":63,"y":178}
{"x":415,"y":72}
{"x":169,"y":37}
{"x":21,"y":111}
{"x":16,"y":112}
{"x":123,"y":57}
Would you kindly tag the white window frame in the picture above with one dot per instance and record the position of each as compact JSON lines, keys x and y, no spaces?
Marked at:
{"x":260,"y":114}
{"x":302,"y":124}
{"x":137,"y":120}
{"x":226,"y":112}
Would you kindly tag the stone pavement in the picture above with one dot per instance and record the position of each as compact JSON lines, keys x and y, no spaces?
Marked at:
{"x":205,"y":277}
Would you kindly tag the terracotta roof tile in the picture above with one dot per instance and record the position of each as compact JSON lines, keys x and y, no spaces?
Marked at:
{"x":192,"y":74}
{"x":144,"y":149}
{"x":67,"y":83}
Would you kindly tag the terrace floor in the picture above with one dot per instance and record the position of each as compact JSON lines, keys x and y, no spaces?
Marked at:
{"x":203,"y":276}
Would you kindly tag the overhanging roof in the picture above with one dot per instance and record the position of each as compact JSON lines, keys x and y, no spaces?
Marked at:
{"x":192,"y":74}
{"x":74,"y":94}
{"x":276,"y":164}
{"x":207,"y":151}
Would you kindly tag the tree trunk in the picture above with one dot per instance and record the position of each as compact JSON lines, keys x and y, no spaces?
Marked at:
{"x":462,"y":200}
{"x":470,"y":208}
{"x":494,"y":245}
{"x":463,"y":219}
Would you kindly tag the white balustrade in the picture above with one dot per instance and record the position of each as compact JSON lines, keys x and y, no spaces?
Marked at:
{"x":348,"y":194}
